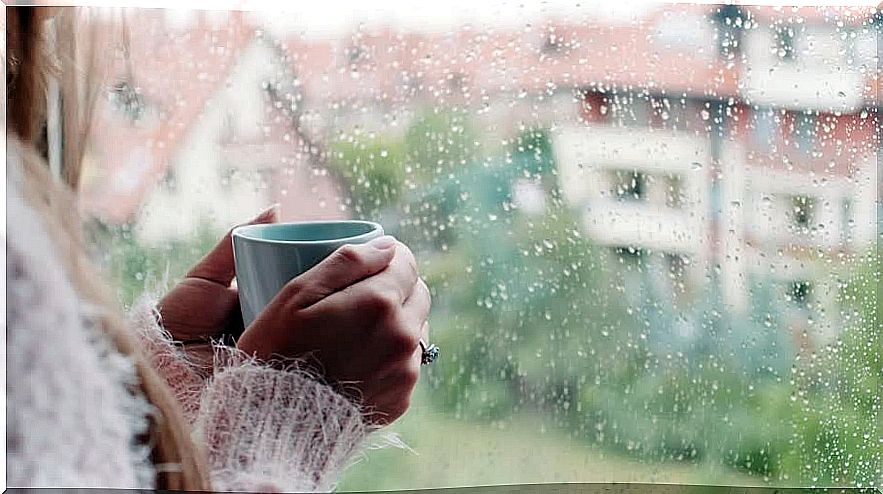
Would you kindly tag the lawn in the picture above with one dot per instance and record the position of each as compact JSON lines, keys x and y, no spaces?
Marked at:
{"x":446,"y":452}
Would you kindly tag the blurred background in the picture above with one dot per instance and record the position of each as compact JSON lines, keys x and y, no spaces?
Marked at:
{"x":650,"y":230}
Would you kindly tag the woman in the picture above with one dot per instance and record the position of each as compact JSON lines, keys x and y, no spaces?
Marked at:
{"x":156,"y":400}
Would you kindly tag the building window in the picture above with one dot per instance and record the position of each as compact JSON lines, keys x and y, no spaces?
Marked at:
{"x":766,"y":123}
{"x":629,"y":110}
{"x":227,"y":175}
{"x":676,"y":264}
{"x":799,"y":293}
{"x":355,"y":54}
{"x":667,"y":113}
{"x":804,"y":131}
{"x":730,"y":21}
{"x":847,"y":220}
{"x":170,"y":180}
{"x":228,"y":129}
{"x":802,"y":211}
{"x":457,"y":82}
{"x":553,"y":44}
{"x":127,"y":100}
{"x":595,"y":107}
{"x":630,"y":185}
{"x":265,"y":178}
{"x":631,"y":257}
{"x":784,"y":39}
{"x":715,"y":200}
{"x":674,"y":192}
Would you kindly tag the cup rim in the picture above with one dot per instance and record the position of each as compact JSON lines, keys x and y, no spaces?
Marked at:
{"x":243,"y":232}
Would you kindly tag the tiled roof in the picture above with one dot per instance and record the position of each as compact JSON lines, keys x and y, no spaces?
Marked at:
{"x":178,"y":71}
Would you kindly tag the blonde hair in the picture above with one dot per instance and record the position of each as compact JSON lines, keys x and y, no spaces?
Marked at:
{"x":29,"y":65}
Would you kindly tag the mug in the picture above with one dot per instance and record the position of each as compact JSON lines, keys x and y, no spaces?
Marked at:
{"x":268,"y":256}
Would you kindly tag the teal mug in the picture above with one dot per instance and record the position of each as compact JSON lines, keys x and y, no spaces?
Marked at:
{"x":268,"y":256}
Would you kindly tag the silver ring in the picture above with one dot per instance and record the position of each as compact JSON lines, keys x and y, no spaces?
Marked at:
{"x":430,"y":353}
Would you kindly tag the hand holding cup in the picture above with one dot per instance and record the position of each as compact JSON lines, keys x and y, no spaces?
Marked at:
{"x":358,"y":314}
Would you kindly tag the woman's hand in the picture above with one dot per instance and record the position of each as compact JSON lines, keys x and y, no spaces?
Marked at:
{"x":204,"y":305}
{"x":359,"y":314}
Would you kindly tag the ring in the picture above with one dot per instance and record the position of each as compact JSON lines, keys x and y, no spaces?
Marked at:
{"x":430,"y":353}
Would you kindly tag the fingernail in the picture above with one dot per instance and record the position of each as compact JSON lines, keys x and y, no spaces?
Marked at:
{"x":267,"y":212}
{"x":383,"y":243}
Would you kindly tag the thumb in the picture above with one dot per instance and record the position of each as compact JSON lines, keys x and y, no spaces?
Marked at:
{"x":345,"y":266}
{"x":217,"y":266}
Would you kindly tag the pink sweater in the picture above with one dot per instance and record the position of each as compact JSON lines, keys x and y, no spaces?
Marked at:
{"x":72,"y":421}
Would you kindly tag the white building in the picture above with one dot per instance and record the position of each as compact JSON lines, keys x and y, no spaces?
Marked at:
{"x":232,"y":163}
{"x":641,"y":188}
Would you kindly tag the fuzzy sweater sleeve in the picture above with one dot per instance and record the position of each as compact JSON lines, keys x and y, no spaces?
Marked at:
{"x":263,"y":428}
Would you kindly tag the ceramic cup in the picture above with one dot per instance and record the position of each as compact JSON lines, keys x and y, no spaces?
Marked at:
{"x":269,"y":256}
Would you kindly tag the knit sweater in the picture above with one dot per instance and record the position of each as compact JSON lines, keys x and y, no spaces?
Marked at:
{"x":73,"y":421}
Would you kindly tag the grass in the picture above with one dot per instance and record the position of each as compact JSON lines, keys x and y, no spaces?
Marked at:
{"x":450,"y":453}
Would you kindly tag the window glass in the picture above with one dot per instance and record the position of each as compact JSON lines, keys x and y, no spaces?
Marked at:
{"x":649,"y":229}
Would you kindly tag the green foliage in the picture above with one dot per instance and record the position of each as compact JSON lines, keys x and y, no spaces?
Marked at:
{"x":135,"y":268}
{"x":533,"y":318}
{"x":374,"y":170}
{"x":533,"y":153}
{"x":839,"y":429}
{"x":439,"y":143}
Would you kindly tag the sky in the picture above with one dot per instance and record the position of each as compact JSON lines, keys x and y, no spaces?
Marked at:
{"x":338,"y":15}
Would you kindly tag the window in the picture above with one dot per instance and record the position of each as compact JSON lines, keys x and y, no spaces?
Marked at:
{"x":629,"y":110}
{"x":355,"y":54}
{"x":553,"y":44}
{"x":645,"y":228}
{"x":170,"y":180}
{"x":765,"y":128}
{"x":805,"y":131}
{"x":127,"y":100}
{"x":674,"y":193}
{"x":802,"y":211}
{"x":714,"y":203}
{"x":670,"y":113}
{"x":631,"y":257}
{"x":595,"y":106}
{"x":227,"y":175}
{"x":677,"y":265}
{"x":730,"y":21}
{"x":784,"y":39}
{"x":228,"y":129}
{"x":629,"y":185}
{"x":799,"y":293}
{"x":847,"y":221}
{"x":457,"y":82}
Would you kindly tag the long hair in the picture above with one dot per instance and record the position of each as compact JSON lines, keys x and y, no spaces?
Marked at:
{"x":29,"y":65}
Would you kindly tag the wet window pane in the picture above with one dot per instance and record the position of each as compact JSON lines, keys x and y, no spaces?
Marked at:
{"x":650,"y":231}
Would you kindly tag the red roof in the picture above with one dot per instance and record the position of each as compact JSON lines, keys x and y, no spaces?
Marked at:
{"x":178,"y":72}
{"x":484,"y":62}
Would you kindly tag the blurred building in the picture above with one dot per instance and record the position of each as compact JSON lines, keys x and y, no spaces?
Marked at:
{"x":193,"y":132}
{"x":709,"y":144}
{"x":778,"y":184}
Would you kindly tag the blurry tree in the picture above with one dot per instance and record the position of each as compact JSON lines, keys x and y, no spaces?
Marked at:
{"x":438,"y":143}
{"x":837,"y":426}
{"x":374,"y":172}
{"x":134,"y":268}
